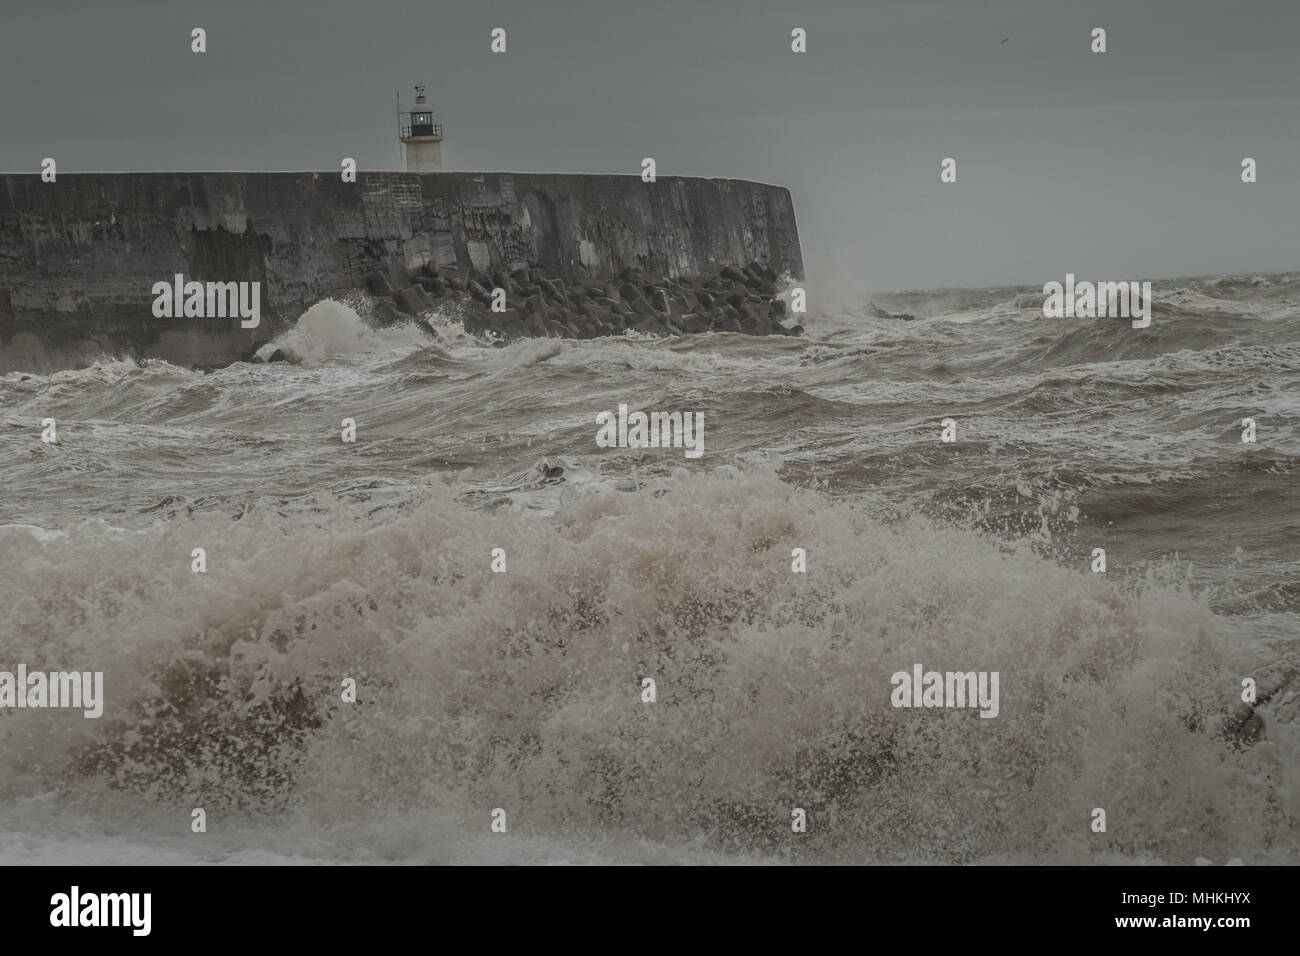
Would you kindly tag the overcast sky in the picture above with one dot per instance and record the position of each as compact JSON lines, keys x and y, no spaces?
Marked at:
{"x":1124,"y":164}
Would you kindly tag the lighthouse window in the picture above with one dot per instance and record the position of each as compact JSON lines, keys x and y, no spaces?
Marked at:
{"x":422,"y":119}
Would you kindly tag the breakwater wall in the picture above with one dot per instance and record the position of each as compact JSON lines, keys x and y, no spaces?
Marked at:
{"x":79,"y":256}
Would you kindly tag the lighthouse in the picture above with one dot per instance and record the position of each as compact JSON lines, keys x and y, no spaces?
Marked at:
{"x":422,"y":137}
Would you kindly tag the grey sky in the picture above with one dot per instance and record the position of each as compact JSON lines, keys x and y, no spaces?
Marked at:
{"x":1117,"y":165}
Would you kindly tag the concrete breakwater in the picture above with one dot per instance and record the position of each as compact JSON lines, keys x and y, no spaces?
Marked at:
{"x":529,"y":304}
{"x":80,"y":256}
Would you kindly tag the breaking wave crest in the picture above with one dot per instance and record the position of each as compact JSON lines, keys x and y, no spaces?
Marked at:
{"x":521,"y":690}
{"x":330,"y":329}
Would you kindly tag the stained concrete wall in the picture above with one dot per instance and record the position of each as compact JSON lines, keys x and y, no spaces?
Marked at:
{"x":78,"y":257}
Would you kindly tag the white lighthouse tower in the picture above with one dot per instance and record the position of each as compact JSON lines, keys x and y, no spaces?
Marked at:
{"x":422,"y":137}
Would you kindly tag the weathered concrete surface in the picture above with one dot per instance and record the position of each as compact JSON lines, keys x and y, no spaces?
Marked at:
{"x":78,"y":257}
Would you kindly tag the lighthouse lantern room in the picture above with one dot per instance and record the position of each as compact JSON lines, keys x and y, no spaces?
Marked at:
{"x":422,"y":137}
